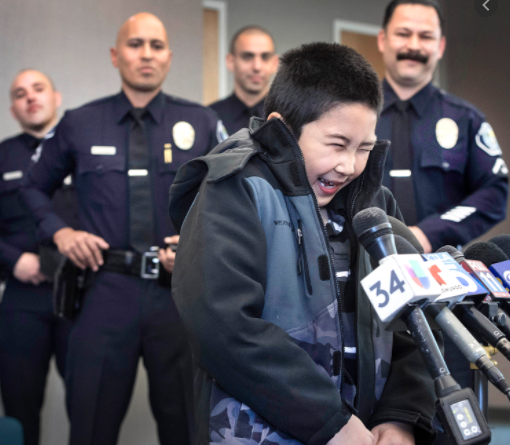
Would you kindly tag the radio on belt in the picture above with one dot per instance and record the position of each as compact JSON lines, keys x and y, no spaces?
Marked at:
{"x":150,"y":262}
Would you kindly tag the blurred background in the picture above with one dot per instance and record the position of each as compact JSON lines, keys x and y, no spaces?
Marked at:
{"x":70,"y":41}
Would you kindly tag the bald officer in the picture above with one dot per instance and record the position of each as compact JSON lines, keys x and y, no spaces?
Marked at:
{"x":124,"y":151}
{"x":445,"y":166}
{"x":253,"y":62}
{"x":29,"y":333}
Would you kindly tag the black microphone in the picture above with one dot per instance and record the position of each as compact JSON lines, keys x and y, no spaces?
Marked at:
{"x":503,"y":242}
{"x":399,"y":228}
{"x":375,"y":235}
{"x":492,"y":256}
{"x":462,"y":338}
{"x":471,"y":316}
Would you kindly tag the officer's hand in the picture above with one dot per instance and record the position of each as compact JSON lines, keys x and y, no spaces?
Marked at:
{"x":354,"y":432}
{"x":82,"y":248}
{"x":422,"y":238}
{"x":167,"y":256}
{"x":393,"y":433}
{"x":28,"y":269}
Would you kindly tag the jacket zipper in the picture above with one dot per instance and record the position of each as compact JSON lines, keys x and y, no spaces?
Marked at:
{"x":302,"y":261}
{"x":331,"y":260}
{"x":354,"y":249}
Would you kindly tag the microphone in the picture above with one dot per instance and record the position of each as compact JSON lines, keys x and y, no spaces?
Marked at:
{"x":462,"y":338}
{"x":398,"y":280}
{"x":503,"y":242}
{"x":471,"y":316}
{"x":399,"y":228}
{"x":497,"y":261}
{"x":374,"y":233}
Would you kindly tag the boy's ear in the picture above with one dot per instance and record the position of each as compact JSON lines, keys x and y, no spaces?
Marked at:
{"x":275,"y":114}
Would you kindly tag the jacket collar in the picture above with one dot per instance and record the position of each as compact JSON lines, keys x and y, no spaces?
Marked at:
{"x":123,"y":106}
{"x":286,"y":160}
{"x":419,"y":101}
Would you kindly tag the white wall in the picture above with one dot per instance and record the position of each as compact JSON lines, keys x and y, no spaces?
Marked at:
{"x":294,"y":22}
{"x":70,"y":41}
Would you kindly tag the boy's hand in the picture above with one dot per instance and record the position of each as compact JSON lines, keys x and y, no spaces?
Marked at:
{"x":393,"y":433}
{"x":167,"y":256}
{"x":353,"y":433}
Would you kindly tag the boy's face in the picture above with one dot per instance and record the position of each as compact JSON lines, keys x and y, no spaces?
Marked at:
{"x":336,"y":148}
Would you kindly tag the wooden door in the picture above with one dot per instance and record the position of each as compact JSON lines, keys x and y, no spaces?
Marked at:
{"x":210,"y":56}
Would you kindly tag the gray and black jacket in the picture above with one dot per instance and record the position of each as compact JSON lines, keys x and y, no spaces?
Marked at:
{"x":255,"y":286}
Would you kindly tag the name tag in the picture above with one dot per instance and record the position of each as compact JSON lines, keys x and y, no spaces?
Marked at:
{"x":400,"y":173}
{"x":103,"y":150}
{"x":9,"y":176}
{"x":140,"y":172}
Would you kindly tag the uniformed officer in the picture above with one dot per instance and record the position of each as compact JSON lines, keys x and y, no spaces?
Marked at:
{"x":124,"y":151}
{"x":445,"y":166}
{"x":29,"y":333}
{"x":253,"y":62}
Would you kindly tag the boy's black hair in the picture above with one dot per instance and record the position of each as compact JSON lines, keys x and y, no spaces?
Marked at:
{"x":315,"y":77}
{"x":390,"y":9}
{"x":249,"y":28}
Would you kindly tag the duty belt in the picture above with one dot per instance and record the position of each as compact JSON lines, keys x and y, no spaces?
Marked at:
{"x":127,"y":262}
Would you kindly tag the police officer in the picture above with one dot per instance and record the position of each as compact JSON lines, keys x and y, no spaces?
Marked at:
{"x":125,"y":151}
{"x":445,"y":166}
{"x":253,"y":62}
{"x":29,"y":333}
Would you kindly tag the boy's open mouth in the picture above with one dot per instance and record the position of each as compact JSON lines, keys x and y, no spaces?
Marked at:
{"x":328,"y":186}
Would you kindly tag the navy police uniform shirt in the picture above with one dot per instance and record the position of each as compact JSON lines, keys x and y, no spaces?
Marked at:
{"x":18,"y":231}
{"x":460,"y":179}
{"x":17,"y":226}
{"x":235,"y":114}
{"x":92,"y":143}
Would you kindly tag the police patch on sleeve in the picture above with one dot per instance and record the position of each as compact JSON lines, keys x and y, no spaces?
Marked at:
{"x":500,"y":167}
{"x":447,"y":132}
{"x":486,"y":140}
{"x":221,"y":132}
{"x":184,"y":135}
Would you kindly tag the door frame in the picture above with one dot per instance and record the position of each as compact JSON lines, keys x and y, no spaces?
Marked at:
{"x":221,"y":7}
{"x":359,"y":27}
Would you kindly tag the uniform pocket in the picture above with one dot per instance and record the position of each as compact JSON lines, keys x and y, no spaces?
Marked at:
{"x":444,"y":159}
{"x":101,"y":164}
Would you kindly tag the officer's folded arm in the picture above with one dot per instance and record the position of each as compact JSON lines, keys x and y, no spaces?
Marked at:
{"x":82,"y":248}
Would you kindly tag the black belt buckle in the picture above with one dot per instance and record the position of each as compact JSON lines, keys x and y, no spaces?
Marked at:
{"x":150,"y":264}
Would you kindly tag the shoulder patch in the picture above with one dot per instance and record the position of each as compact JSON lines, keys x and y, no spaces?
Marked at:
{"x":486,"y":140}
{"x":500,"y":168}
{"x":226,"y":164}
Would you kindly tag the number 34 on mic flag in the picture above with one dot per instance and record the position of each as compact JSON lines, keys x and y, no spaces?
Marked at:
{"x":399,"y":280}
